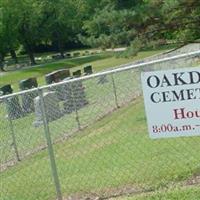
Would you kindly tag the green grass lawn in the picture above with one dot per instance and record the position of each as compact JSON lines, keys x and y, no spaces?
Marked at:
{"x":114,"y":152}
{"x":99,"y":62}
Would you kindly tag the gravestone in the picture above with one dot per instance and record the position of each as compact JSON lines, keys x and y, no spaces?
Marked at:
{"x":52,"y":108}
{"x":76,"y":54}
{"x":87,"y":52}
{"x":57,"y":57}
{"x":68,"y":55}
{"x":102,"y":80}
{"x":68,"y":95}
{"x":6,"y":89}
{"x":55,"y":77}
{"x":12,"y":103}
{"x":75,"y":97}
{"x":88,"y":70}
{"x":14,"y":108}
{"x":28,"y":98}
{"x":79,"y":95}
{"x":77,"y":74}
{"x":28,"y":83}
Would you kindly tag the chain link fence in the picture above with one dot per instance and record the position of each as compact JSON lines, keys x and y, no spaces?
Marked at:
{"x":88,"y":137}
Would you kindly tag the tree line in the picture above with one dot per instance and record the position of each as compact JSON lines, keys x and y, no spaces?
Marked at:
{"x":105,"y":23}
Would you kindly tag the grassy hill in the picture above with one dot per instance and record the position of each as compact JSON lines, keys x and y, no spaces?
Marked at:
{"x":110,"y":153}
{"x":113,"y":153}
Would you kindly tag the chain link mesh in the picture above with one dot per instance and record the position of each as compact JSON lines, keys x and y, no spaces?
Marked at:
{"x":96,"y":140}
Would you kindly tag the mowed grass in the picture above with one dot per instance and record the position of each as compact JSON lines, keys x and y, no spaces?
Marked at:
{"x":99,"y":62}
{"x":113,"y":153}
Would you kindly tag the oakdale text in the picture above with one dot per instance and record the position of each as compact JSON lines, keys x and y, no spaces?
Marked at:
{"x":189,"y":79}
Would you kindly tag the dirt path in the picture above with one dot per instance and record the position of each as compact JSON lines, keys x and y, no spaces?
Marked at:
{"x":114,"y":193}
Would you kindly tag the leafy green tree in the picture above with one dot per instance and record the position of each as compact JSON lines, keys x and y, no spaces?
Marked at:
{"x":8,"y":29}
{"x":3,"y":46}
{"x":60,"y":23}
{"x":29,"y":25}
{"x":181,"y":20}
{"x":139,"y":24}
{"x":106,"y":23}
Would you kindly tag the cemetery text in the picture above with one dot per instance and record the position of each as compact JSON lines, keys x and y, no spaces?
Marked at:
{"x":172,"y":102}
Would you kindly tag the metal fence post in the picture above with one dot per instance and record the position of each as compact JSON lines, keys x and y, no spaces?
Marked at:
{"x":75,"y":107}
{"x":50,"y":146}
{"x":115,"y":91}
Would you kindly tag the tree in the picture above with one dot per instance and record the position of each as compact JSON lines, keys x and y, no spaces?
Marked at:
{"x":181,"y":20}
{"x":139,"y":24}
{"x":3,"y":46}
{"x":2,"y":62}
{"x":29,"y":27}
{"x":8,"y":28}
{"x":59,"y":20}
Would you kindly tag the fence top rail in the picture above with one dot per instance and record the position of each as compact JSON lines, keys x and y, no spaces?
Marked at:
{"x":112,"y":71}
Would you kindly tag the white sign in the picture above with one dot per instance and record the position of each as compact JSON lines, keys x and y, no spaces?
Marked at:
{"x":172,"y":102}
